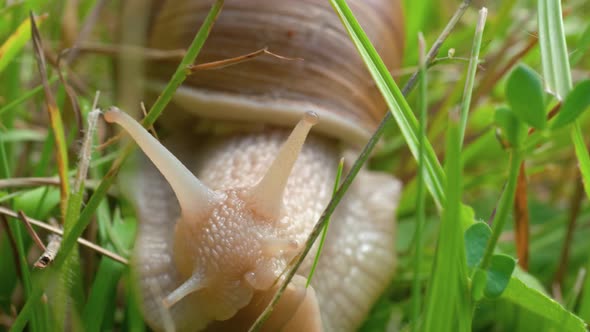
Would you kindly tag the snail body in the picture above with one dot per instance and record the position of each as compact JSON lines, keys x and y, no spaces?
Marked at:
{"x":222,"y":215}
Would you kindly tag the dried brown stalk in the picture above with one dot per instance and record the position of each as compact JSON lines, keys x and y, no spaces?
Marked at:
{"x":30,"y":230}
{"x":7,"y":212}
{"x":236,"y":60}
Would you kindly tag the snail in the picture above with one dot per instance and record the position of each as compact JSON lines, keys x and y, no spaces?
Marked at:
{"x":221,"y":215}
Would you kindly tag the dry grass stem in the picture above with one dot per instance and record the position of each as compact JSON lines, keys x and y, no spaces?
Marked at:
{"x":58,"y":231}
{"x":236,"y":60}
{"x":30,"y":230}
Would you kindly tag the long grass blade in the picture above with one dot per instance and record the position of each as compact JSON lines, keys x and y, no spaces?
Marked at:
{"x":554,"y":54}
{"x":583,"y":157}
{"x":558,"y":77}
{"x":54,"y":118}
{"x":434,"y":175}
{"x":15,"y":43}
{"x":181,"y":72}
{"x":449,"y":306}
{"x":421,"y":191}
{"x":25,"y":96}
{"x":471,"y":71}
{"x":325,"y":230}
{"x":583,"y":46}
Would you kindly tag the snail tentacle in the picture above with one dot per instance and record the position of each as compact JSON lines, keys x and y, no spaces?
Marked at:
{"x":267,"y":195}
{"x":193,"y":196}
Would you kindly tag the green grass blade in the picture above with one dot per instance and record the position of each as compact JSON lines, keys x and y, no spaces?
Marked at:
{"x":8,"y":267}
{"x":28,"y":310}
{"x":416,"y":12}
{"x":554,"y":54}
{"x":25,"y":96}
{"x":504,"y":207}
{"x":582,"y":155}
{"x":471,"y":71}
{"x":55,"y":119}
{"x":583,"y":46}
{"x":421,"y":186}
{"x":325,"y":230}
{"x":181,"y":72}
{"x":77,"y":195}
{"x":396,"y":102}
{"x":556,"y":69}
{"x":584,"y":306}
{"x":448,"y":306}
{"x":557,"y":75}
{"x":134,"y":318}
{"x":102,"y":297}
{"x":15,"y":43}
{"x":17,"y":233}
{"x":8,"y":53}
{"x":5,"y":170}
{"x":556,"y":62}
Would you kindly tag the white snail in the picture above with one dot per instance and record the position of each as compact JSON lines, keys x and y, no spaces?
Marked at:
{"x":216,"y":234}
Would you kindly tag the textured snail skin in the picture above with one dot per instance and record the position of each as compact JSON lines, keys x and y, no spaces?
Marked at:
{"x":357,"y":261}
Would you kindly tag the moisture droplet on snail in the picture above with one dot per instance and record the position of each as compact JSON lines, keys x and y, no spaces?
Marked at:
{"x":223,"y":214}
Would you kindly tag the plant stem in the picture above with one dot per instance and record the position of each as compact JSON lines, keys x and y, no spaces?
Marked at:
{"x":325,"y":230}
{"x":471,"y":71}
{"x":575,"y":203}
{"x":521,"y":219}
{"x":421,"y":191}
{"x":182,"y":70}
{"x":449,"y":306}
{"x":504,"y":207}
{"x":438,"y":43}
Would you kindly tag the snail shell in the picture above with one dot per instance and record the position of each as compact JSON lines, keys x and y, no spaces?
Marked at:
{"x":331,"y":80}
{"x":220,"y":223}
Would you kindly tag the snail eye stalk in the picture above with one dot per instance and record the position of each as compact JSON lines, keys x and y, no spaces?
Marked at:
{"x":267,"y":195}
{"x":193,"y":196}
